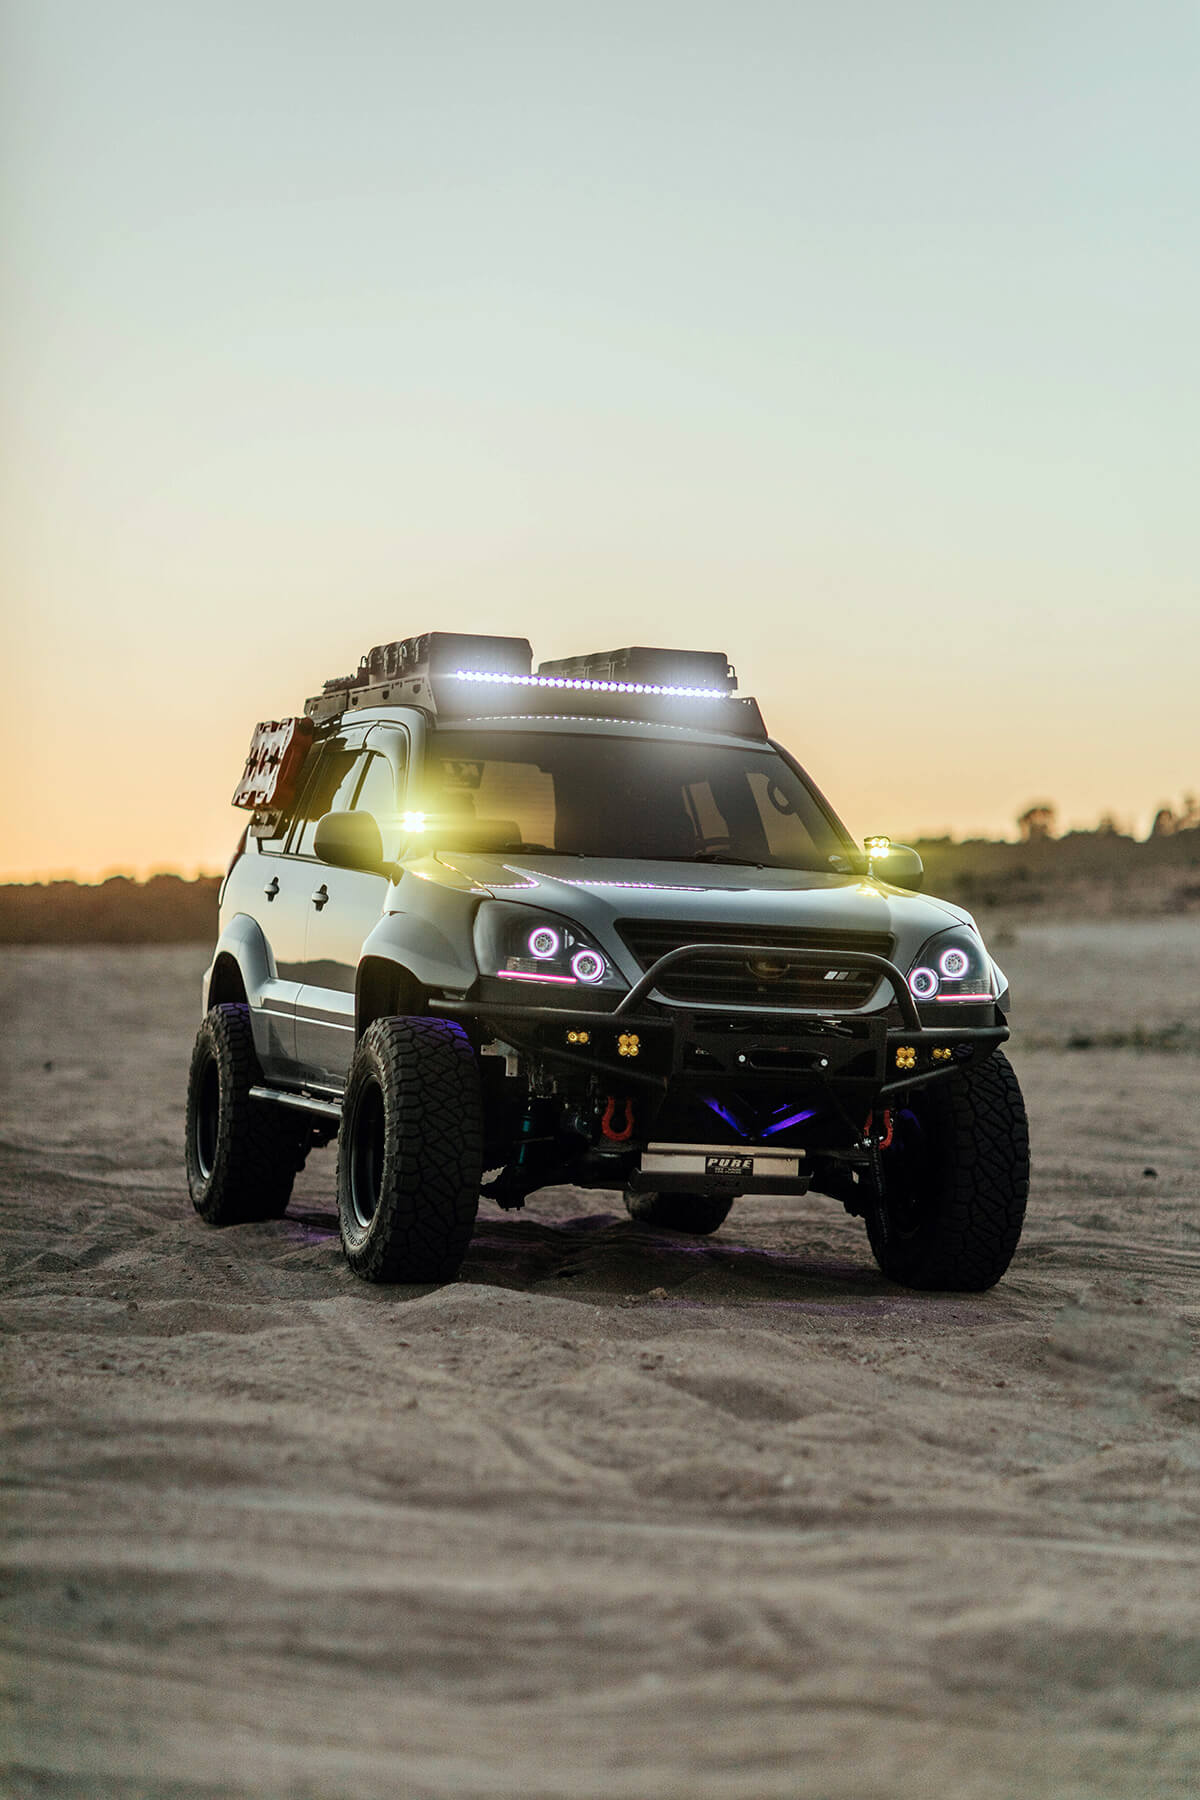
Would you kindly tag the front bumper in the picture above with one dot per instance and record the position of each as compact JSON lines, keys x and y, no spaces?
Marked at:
{"x":646,"y":1040}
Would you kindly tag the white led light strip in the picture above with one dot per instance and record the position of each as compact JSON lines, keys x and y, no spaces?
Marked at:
{"x":598,"y":687}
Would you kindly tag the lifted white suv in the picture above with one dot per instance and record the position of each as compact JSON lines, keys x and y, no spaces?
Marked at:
{"x":588,"y":925}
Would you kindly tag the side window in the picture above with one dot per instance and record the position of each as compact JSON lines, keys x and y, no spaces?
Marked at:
{"x":377,"y":795}
{"x":330,"y":789}
{"x":380,"y":796}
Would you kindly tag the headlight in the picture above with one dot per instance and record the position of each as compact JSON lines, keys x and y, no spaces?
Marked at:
{"x":521,"y":943}
{"x":952,"y":966}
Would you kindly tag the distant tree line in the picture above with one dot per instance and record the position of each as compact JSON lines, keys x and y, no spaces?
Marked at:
{"x":1039,"y":821}
{"x":164,"y":910}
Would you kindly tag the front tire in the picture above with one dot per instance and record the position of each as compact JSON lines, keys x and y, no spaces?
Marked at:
{"x":242,"y":1156}
{"x":956,"y":1179}
{"x":699,"y":1214}
{"x":410,"y":1151}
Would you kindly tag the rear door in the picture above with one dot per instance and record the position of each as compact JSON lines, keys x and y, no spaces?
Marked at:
{"x":345,"y":906}
{"x":267,"y":885}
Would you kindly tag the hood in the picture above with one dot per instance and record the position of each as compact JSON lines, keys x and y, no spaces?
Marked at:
{"x":598,"y":892}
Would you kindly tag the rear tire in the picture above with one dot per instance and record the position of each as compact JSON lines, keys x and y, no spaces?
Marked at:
{"x":242,"y":1155}
{"x":410,"y":1152}
{"x":956,"y":1179}
{"x":699,"y":1214}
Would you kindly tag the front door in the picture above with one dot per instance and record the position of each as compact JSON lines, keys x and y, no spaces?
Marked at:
{"x":345,"y":905}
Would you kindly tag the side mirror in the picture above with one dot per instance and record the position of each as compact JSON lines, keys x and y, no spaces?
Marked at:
{"x":350,"y":840}
{"x":897,"y":864}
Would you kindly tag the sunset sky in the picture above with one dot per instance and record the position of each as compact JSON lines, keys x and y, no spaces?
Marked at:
{"x":859,"y":341}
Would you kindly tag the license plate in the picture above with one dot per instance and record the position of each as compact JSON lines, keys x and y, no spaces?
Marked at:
{"x":729,"y":1165}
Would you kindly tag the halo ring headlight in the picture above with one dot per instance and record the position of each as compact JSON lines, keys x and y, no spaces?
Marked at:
{"x":588,"y":965}
{"x":954,"y":963}
{"x":544,"y":942}
{"x":923,"y":984}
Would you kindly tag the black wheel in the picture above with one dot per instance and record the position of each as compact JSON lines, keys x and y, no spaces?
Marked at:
{"x":410,"y":1153}
{"x":956,"y":1178}
{"x":242,"y":1154}
{"x":701,"y":1214}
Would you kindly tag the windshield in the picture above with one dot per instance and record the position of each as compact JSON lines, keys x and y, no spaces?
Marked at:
{"x":640,"y":798}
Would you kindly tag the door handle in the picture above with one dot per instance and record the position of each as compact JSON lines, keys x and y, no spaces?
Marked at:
{"x":320,"y":898}
{"x":272,"y":887}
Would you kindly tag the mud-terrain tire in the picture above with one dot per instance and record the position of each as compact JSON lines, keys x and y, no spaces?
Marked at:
{"x":699,"y":1214}
{"x":410,"y":1152}
{"x":956,"y":1178}
{"x":242,"y":1155}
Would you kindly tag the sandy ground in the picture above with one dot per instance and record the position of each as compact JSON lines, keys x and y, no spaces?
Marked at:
{"x":614,"y":1514}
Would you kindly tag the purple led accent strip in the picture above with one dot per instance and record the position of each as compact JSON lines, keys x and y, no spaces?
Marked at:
{"x":520,"y":975}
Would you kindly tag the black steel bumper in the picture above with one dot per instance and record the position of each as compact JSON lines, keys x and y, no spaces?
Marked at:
{"x":647,"y":1040}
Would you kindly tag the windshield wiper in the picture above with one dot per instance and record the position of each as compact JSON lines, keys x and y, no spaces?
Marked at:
{"x":719,"y":856}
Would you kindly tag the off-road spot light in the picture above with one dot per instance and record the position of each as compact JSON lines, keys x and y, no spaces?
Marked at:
{"x":412,"y":821}
{"x":906,"y":1056}
{"x":923,"y":984}
{"x":942,"y":1053}
{"x":587,"y":965}
{"x":877,"y":846}
{"x":579,"y":1037}
{"x":544,"y":942}
{"x":628,"y":1044}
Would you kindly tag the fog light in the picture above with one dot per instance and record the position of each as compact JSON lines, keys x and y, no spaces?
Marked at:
{"x":906,"y":1057}
{"x":942,"y":1053}
{"x":579,"y":1037}
{"x":628,"y":1044}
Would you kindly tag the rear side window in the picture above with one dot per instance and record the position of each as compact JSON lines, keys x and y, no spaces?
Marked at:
{"x":330,"y":789}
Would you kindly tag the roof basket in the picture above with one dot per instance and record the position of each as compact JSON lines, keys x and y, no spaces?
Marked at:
{"x":671,"y":671}
{"x":467,"y":675}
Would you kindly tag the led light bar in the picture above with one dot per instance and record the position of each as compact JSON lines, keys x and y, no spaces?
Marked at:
{"x":595,"y":687}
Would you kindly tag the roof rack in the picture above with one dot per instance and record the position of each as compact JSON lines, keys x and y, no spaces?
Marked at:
{"x":461,"y":675}
{"x":707,"y":670}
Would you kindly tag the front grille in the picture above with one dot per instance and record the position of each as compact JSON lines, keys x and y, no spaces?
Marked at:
{"x":705,"y":981}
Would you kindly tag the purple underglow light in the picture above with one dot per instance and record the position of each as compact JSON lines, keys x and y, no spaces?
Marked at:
{"x":528,"y":975}
{"x":747,"y":1128}
{"x":724,"y":1113}
{"x":792,"y":1119}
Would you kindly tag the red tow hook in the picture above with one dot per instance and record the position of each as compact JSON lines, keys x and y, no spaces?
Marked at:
{"x":606,"y":1123}
{"x":886,"y":1139}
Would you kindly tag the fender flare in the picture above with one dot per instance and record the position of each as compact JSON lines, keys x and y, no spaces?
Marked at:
{"x":243,"y":942}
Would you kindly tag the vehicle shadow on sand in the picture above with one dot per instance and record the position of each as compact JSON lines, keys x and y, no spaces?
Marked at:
{"x":604,"y":1258}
